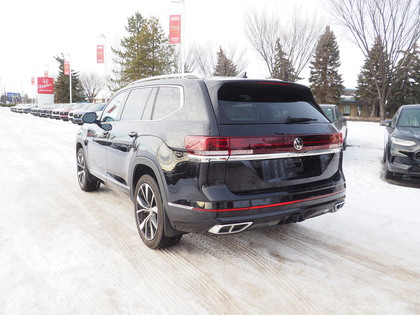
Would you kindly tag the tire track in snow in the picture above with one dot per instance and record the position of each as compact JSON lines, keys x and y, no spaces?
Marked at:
{"x":149,"y":265}
{"x":232,"y":250}
{"x":351,"y":262}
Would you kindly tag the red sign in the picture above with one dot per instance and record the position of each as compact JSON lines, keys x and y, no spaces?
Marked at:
{"x":32,"y":80}
{"x":45,"y":85}
{"x":66,"y":67}
{"x":175,"y":29}
{"x":100,"y":54}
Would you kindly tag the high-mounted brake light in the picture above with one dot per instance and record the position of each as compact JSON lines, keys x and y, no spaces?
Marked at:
{"x":212,"y":146}
{"x":274,"y":83}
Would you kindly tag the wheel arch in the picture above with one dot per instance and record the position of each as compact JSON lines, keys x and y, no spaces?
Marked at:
{"x":147,"y":166}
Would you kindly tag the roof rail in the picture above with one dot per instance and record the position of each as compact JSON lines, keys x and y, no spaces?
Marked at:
{"x":169,"y":76}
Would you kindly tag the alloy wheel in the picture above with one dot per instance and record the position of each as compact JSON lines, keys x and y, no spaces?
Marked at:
{"x":81,"y":169}
{"x":147,"y":211}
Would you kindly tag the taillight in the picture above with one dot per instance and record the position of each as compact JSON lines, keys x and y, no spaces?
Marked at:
{"x":202,"y":145}
{"x":211,"y":146}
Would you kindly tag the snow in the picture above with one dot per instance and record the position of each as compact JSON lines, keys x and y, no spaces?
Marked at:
{"x":70,"y":252}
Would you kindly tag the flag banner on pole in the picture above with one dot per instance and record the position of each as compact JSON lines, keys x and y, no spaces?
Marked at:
{"x":66,"y":67}
{"x":175,"y":29}
{"x":100,"y":53}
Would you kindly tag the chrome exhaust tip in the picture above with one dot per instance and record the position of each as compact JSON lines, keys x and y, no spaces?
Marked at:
{"x":338,"y":206}
{"x":230,"y":228}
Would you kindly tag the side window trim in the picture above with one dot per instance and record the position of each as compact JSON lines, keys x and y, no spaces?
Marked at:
{"x":125,"y":92}
{"x":181,"y":101}
{"x":145,"y":104}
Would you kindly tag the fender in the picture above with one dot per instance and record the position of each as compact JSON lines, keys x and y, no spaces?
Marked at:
{"x":150,"y":161}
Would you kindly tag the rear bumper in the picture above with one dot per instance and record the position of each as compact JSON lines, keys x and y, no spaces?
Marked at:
{"x":259,"y":213}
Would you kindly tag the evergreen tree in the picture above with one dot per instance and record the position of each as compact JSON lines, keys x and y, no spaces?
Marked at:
{"x":407,"y":86}
{"x":325,"y":81}
{"x":374,"y":72}
{"x":145,"y":52}
{"x":283,"y":68}
{"x":62,"y":85}
{"x":224,"y":67}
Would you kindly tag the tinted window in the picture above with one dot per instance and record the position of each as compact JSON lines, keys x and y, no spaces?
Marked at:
{"x":135,"y":104}
{"x":409,"y":118}
{"x":168,"y":100}
{"x":329,"y":113}
{"x":114,"y":108}
{"x":337,"y":113}
{"x":263,"y":105}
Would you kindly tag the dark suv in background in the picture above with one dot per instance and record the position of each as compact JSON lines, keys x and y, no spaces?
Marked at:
{"x":214,"y":156}
{"x":402,"y":143}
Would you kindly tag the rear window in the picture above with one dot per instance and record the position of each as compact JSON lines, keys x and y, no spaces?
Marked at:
{"x":254,"y":104}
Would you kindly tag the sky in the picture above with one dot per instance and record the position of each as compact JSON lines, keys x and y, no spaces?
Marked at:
{"x":33,"y":32}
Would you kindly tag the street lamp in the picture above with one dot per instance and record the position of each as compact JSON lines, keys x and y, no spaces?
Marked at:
{"x":69,"y":63}
{"x":106,"y":73}
{"x":182,"y":46}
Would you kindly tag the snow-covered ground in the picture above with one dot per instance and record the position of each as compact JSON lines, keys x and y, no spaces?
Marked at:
{"x":64,"y":251}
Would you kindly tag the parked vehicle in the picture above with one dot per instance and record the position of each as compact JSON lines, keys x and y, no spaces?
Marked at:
{"x":45,"y":109}
{"x":217,"y":156}
{"x":72,"y":111}
{"x":64,"y":112}
{"x":340,"y":122}
{"x":29,"y":108}
{"x":55,"y":112}
{"x":40,"y":110}
{"x":77,"y":115}
{"x":402,"y":142}
{"x":22,"y":108}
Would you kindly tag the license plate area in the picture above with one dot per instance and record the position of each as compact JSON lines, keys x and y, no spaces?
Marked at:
{"x":289,"y":168}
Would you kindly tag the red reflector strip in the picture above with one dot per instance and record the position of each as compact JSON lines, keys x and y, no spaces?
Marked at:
{"x":270,"y":205}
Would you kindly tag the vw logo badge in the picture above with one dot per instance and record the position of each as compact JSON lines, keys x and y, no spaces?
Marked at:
{"x":298,"y":144}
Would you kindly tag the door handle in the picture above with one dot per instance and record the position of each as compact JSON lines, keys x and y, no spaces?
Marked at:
{"x":133,"y":134}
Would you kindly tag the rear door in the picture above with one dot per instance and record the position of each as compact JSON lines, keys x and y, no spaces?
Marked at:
{"x":124,"y":133}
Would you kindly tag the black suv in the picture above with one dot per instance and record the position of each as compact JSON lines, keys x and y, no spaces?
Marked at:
{"x":216,"y":156}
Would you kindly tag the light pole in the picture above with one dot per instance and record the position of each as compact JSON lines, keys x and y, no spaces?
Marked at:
{"x":106,"y":73}
{"x":69,"y":62}
{"x":182,"y":43}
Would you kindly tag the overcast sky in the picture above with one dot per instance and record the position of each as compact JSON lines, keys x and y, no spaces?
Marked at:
{"x":33,"y":32}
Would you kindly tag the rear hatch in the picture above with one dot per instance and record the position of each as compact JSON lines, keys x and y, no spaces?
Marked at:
{"x":278,"y":137}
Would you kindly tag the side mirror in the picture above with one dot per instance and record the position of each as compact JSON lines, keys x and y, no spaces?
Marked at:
{"x":106,"y":127}
{"x":386,"y":123}
{"x":89,"y":118}
{"x":342,"y":119}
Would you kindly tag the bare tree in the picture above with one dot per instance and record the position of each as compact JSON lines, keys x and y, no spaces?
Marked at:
{"x":297,"y":37}
{"x":91,"y":84}
{"x":263,"y":31}
{"x":203,"y":58}
{"x":200,"y":58}
{"x":395,"y":22}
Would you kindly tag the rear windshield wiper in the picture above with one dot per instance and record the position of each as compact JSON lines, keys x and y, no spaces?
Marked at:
{"x":297,"y":120}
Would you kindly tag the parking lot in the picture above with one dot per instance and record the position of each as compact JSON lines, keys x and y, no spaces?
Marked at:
{"x":64,"y":251}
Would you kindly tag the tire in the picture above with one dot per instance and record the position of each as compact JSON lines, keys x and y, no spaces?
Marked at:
{"x":87,"y":181}
{"x":388,"y":173}
{"x":150,"y":214}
